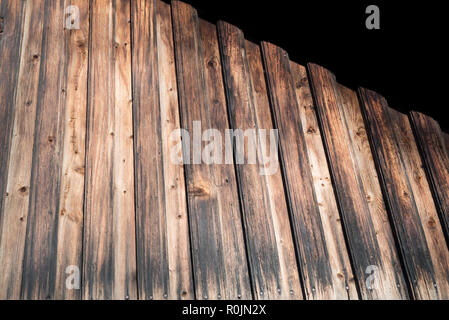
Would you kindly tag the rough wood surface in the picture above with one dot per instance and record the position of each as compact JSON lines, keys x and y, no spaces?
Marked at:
{"x":20,"y":47}
{"x":12,"y":31}
{"x":71,"y":196}
{"x":163,"y":250}
{"x":109,"y":265}
{"x":409,"y":198}
{"x":218,"y":249}
{"x":39,"y":265}
{"x":446,"y":142}
{"x":325,"y":193}
{"x":370,"y":237}
{"x":268,"y":232}
{"x":318,"y":278}
{"x":433,"y":152}
{"x":108,"y":182}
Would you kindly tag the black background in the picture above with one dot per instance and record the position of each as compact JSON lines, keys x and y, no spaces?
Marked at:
{"x":173,"y":309}
{"x":406,"y":60}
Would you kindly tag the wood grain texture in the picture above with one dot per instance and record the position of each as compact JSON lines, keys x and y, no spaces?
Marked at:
{"x":446,"y":142}
{"x":94,"y":175}
{"x":71,"y":194}
{"x":218,"y":250}
{"x":435,"y":157}
{"x":12,"y":19}
{"x":39,"y":265}
{"x":369,"y":235}
{"x":409,"y":198}
{"x":163,"y":249}
{"x":268,"y":232}
{"x":325,"y":193}
{"x":318,"y":278}
{"x":18,"y":93}
{"x":109,"y":263}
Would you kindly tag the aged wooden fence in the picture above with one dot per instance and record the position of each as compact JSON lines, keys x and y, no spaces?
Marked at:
{"x":93,"y":207}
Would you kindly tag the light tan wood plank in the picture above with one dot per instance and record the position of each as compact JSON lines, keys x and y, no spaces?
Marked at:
{"x":109,"y":266}
{"x":71,"y":195}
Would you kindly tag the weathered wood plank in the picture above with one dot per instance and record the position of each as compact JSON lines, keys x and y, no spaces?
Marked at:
{"x":39,"y":266}
{"x":324,"y":190}
{"x":20,"y":47}
{"x":365,"y":219}
{"x":369,"y":179}
{"x":163,"y":250}
{"x":265,"y":211}
{"x":109,"y":265}
{"x":71,"y":195}
{"x":12,"y":18}
{"x":219,"y":259}
{"x":318,"y":279}
{"x":409,"y":198}
{"x":431,"y":143}
{"x":446,"y":142}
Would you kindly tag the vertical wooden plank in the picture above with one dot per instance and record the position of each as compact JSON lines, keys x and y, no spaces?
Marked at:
{"x":369,"y":179}
{"x":71,"y":195}
{"x":319,"y":281}
{"x":39,"y":265}
{"x":433,"y":153}
{"x":219,"y":258}
{"x":163,"y":250}
{"x":265,"y":211}
{"x":20,"y":44}
{"x":12,"y":18}
{"x":325,"y":193}
{"x":109,"y":264}
{"x":446,"y":142}
{"x":365,"y":219}
{"x":409,"y":198}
